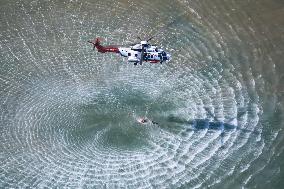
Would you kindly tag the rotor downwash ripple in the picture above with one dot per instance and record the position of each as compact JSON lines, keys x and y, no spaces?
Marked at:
{"x":68,"y":115}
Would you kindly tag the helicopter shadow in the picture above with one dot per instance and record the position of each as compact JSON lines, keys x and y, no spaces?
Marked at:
{"x":212,"y":124}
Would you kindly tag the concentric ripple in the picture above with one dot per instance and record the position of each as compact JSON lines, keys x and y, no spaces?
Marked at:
{"x":68,"y":114}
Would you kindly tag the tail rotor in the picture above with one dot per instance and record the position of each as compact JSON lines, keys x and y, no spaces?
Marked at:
{"x":95,"y":42}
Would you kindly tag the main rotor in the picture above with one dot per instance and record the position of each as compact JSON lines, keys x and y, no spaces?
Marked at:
{"x":143,"y":46}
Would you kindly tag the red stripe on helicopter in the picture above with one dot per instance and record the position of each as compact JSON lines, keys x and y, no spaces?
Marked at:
{"x":154,"y":61}
{"x":111,"y":49}
{"x":103,"y":49}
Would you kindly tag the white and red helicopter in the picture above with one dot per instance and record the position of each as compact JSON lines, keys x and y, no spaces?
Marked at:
{"x":136,"y":53}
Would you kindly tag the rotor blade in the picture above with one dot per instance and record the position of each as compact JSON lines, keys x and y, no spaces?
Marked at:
{"x":139,"y":38}
{"x":123,"y":45}
{"x":94,"y":47}
{"x":150,"y":38}
{"x":164,"y":27}
{"x":142,"y":55}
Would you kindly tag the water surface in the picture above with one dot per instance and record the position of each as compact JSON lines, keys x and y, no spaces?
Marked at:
{"x":68,"y":114}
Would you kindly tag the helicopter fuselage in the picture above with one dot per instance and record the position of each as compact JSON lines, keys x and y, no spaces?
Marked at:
{"x":151,"y":53}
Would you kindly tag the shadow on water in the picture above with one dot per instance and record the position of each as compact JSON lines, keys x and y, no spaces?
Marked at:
{"x":211,"y":124}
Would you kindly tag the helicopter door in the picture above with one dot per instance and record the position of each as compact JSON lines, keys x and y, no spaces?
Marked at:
{"x":160,"y":56}
{"x":164,"y":54}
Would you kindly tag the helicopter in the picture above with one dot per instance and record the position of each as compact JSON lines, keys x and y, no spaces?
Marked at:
{"x":136,"y":53}
{"x":143,"y":51}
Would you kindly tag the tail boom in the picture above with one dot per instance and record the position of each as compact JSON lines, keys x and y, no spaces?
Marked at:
{"x":103,"y":49}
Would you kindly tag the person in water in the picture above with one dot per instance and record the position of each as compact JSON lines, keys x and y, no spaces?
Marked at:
{"x":145,"y":120}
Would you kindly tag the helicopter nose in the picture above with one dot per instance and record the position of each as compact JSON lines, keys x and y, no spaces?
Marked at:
{"x":168,"y":57}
